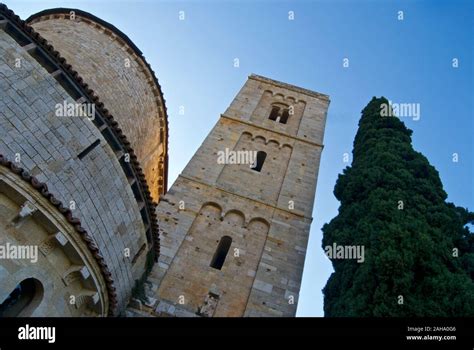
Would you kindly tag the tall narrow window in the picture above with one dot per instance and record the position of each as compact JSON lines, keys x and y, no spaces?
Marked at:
{"x":274,"y":113}
{"x":221,"y":252}
{"x":258,"y":164}
{"x":284,"y":116}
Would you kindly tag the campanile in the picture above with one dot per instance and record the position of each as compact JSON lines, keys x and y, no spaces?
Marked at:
{"x":234,"y":236}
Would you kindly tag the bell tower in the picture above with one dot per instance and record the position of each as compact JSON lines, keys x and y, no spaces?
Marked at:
{"x":235,"y":224}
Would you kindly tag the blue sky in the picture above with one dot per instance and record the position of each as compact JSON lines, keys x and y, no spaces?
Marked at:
{"x":407,"y":61}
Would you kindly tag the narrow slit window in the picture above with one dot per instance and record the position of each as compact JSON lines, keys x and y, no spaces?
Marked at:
{"x":258,"y":164}
{"x":139,"y":253}
{"x":88,"y":149}
{"x":221,"y":252}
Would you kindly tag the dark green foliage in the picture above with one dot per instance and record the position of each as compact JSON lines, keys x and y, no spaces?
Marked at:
{"x":408,"y":252}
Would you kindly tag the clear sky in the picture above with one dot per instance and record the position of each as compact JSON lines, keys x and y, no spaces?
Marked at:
{"x":407,"y":61}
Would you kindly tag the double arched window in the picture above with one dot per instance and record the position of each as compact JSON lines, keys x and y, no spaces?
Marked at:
{"x":279,"y":113}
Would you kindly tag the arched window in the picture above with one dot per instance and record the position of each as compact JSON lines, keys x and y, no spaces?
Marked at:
{"x":257,"y":165}
{"x":284,"y":116}
{"x":274,"y":113}
{"x":221,"y":252}
{"x":23,"y":300}
{"x":279,"y":113}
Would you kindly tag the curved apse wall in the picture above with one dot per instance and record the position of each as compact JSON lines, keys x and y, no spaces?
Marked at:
{"x":117,"y":71}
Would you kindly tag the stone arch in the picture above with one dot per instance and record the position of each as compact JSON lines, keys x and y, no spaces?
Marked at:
{"x":273,"y":143}
{"x":23,"y":299}
{"x":234,"y":217}
{"x":259,"y":223}
{"x":260,"y":139}
{"x":280,"y":104}
{"x":121,"y":151}
{"x":68,"y":260}
{"x":279,"y":96}
{"x":246,"y":135}
{"x":303,"y":102}
{"x":211,"y":210}
{"x":268,"y":93}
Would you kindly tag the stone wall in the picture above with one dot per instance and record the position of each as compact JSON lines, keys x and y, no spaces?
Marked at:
{"x":231,"y":284}
{"x":210,"y":200}
{"x":47,"y":146}
{"x":123,"y":82}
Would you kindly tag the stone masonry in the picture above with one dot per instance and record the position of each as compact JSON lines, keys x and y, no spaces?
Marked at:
{"x":94,"y":186}
{"x":115,"y":69}
{"x":266,"y":214}
{"x":233,"y":234}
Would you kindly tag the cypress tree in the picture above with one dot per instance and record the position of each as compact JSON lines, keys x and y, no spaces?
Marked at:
{"x":418,"y":251}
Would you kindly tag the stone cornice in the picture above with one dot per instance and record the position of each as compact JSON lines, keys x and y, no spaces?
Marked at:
{"x":256,"y":126}
{"x":292,"y":212}
{"x":290,"y":87}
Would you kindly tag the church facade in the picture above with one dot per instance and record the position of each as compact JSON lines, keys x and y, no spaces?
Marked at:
{"x":87,"y":191}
